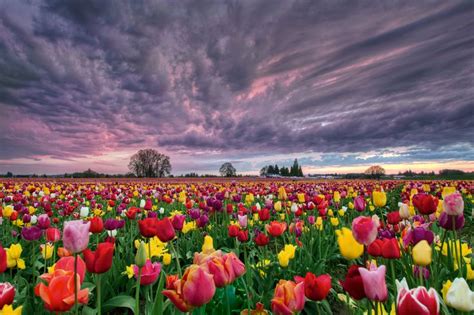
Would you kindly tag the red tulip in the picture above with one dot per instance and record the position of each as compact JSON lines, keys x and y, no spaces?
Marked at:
{"x":100,"y":260}
{"x":391,"y":248}
{"x":53,"y":235}
{"x":233,"y":230}
{"x":262,"y":239}
{"x":3,"y":260}
{"x":165,"y":231}
{"x":425,"y":203}
{"x":97,"y":225}
{"x":375,"y":248}
{"x":394,"y":217}
{"x":264,"y":214}
{"x":148,"y":227}
{"x":276,"y":228}
{"x":148,"y":205}
{"x":417,"y":301}
{"x":353,"y":284}
{"x":243,"y":236}
{"x":7,"y":294}
{"x":316,"y":288}
{"x":132,"y":213}
{"x":178,"y":221}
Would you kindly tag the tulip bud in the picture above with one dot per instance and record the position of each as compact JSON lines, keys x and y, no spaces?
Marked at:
{"x":140,"y":257}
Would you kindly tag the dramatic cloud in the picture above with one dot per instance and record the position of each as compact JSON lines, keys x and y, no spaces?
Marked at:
{"x":86,"y":83}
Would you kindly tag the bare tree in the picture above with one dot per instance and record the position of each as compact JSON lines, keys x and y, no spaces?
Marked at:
{"x":150,"y":163}
{"x":375,"y":171}
{"x":227,"y":170}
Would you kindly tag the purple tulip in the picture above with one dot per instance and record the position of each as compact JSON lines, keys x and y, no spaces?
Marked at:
{"x":26,"y":218}
{"x":152,"y":214}
{"x":194,"y":213}
{"x":32,"y":233}
{"x":446,"y":221}
{"x":424,"y":270}
{"x":202,"y":221}
{"x":43,"y":221}
{"x":420,"y":234}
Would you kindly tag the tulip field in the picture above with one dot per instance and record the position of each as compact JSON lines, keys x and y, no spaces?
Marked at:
{"x":243,"y":246}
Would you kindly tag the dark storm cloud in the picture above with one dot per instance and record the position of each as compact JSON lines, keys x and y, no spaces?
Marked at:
{"x":79,"y":78}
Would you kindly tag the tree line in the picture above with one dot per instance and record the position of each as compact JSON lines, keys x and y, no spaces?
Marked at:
{"x":293,"y":170}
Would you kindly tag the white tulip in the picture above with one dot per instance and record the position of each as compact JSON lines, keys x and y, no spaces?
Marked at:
{"x":142,"y":203}
{"x":84,"y":212}
{"x":460,"y":296}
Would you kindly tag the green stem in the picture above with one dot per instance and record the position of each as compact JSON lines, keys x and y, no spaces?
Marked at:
{"x":137,"y":292}
{"x":175,"y":253}
{"x":76,"y":305}
{"x":99,"y":298}
{"x":227,"y":301}
{"x":247,"y":294}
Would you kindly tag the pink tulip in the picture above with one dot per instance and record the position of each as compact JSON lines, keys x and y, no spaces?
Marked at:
{"x":243,"y":221}
{"x":76,"y":235}
{"x":150,"y":272}
{"x":359,"y":203}
{"x":453,"y":204}
{"x":373,"y":279}
{"x":417,"y":301}
{"x":364,"y":230}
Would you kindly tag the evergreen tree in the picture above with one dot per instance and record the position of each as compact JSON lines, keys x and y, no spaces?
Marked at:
{"x":276,"y":169}
{"x":271,"y":170}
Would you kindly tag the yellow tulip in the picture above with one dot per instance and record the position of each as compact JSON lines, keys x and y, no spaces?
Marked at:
{"x":301,"y":198}
{"x":158,"y":248}
{"x":319,"y":223}
{"x":380,"y":198}
{"x":7,"y":211}
{"x":166,"y":259}
{"x":8,"y":310}
{"x":189,"y":226}
{"x":422,"y":253}
{"x":445,"y":289}
{"x":277,"y":206}
{"x":334,"y":221}
{"x":129,"y":271}
{"x":337,"y":196}
{"x":14,"y":256}
{"x":208,"y":246}
{"x":348,"y":246}
{"x":249,"y":198}
{"x":282,"y":193}
{"x":47,"y":251}
{"x":290,"y":250}
{"x":283,"y":259}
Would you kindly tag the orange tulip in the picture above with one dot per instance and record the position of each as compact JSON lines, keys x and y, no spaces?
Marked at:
{"x":288,"y":298}
{"x":62,"y":252}
{"x":57,"y":291}
{"x":195,"y":289}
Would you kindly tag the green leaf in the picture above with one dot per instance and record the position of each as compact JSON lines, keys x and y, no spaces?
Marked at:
{"x":124,"y":301}
{"x":158,"y":305}
{"x":86,"y":310}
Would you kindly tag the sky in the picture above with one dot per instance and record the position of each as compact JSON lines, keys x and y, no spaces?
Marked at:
{"x":340,"y":85}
